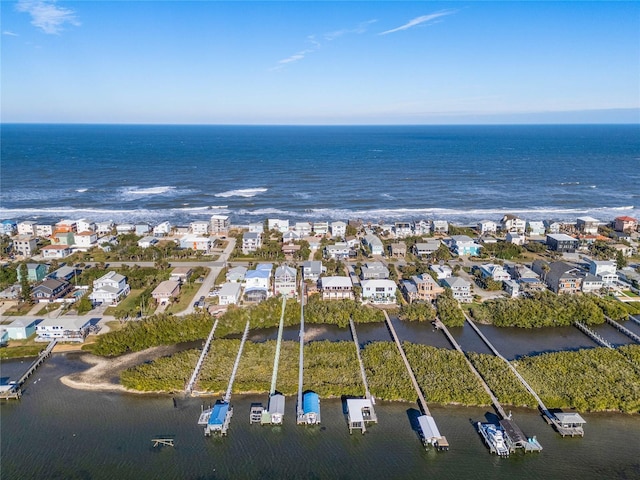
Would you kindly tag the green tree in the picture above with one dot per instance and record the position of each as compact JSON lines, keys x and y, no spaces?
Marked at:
{"x":621,"y":262}
{"x":25,"y":293}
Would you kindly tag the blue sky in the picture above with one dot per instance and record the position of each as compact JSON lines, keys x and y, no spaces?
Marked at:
{"x":317,"y":62}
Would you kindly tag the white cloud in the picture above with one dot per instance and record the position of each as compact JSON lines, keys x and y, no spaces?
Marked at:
{"x":11,"y":34}
{"x":46,"y":15}
{"x":359,"y":29}
{"x":419,"y":21}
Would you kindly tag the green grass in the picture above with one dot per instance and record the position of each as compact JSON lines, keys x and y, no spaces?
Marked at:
{"x":187,"y":293}
{"x":130,"y":303}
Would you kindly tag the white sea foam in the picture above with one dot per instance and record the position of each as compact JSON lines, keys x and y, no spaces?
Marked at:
{"x":150,"y":190}
{"x":81,"y":190}
{"x":242,"y":192}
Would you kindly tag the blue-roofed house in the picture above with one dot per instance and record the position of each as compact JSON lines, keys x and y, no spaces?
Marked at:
{"x":311,"y":408}
{"x":219,"y":418}
{"x":8,"y":227}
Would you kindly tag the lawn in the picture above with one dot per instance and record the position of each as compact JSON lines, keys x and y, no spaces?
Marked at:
{"x":187,"y":294}
{"x":129,"y":304}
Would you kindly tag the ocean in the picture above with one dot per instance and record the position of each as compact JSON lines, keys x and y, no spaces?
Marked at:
{"x":463,"y":174}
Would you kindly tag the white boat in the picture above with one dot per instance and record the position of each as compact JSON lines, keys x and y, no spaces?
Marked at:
{"x":494,"y":438}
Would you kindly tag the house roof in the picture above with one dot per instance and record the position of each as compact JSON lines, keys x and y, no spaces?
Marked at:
{"x":67,"y":323}
{"x":166,"y":287}
{"x":457,"y":282}
{"x":229,"y":289}
{"x":336,"y":282}
{"x":626,"y":219}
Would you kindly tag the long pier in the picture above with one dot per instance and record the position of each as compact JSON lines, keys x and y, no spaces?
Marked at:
{"x":196,"y":371}
{"x":623,"y":329}
{"x":593,"y":335}
{"x":227,"y":395}
{"x":14,"y":391}
{"x":634,"y":319}
{"x":363,"y":373}
{"x":360,"y":411}
{"x":394,"y":335}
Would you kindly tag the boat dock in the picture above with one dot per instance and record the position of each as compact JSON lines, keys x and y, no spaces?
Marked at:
{"x":196,"y":371}
{"x":274,"y":413}
{"x":429,"y":430}
{"x":550,"y":418}
{"x":308,"y":407}
{"x":592,"y":335}
{"x":217,"y":418}
{"x":13,"y":389}
{"x":360,"y":411}
{"x":623,"y":329}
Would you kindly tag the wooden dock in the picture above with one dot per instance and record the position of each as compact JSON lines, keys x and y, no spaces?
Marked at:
{"x":196,"y":371}
{"x":14,"y":390}
{"x":360,"y":411}
{"x":623,"y":329}
{"x":593,"y":335}
{"x":166,"y":442}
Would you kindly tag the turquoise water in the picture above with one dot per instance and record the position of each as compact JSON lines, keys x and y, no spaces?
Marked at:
{"x":58,"y":432}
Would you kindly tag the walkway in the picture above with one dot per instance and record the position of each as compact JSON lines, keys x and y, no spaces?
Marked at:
{"x":189,"y":388}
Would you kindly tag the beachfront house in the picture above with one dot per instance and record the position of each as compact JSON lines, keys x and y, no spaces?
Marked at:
{"x":84,"y":240}
{"x":587,"y":225}
{"x":257,"y":227}
{"x":109,"y":289}
{"x":320,"y":228}
{"x":439,"y":227}
{"x":143,"y":228}
{"x":277,"y":224}
{"x":487,"y":226}
{"x":512,"y":223}
{"x":402,"y":229}
{"x":379,"y":291}
{"x":27,"y":228}
{"x":336,"y":288}
{"x":219,"y":223}
{"x":421,"y":227}
{"x":8,"y":227}
{"x":125,"y":228}
{"x":166,"y":291}
{"x":339,"y":229}
{"x":104,"y":228}
{"x":162,"y":229}
{"x":43,"y":230}
{"x":625,"y":224}
{"x":536,"y":228}
{"x":199,"y":227}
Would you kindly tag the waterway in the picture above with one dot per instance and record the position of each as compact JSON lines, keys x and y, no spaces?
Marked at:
{"x":58,"y":432}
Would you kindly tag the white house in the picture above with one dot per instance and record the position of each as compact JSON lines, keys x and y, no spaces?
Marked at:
{"x":44,"y":230}
{"x":229,"y":294}
{"x":258,"y":279}
{"x":284,"y":281}
{"x":439,"y":226}
{"x":257,"y":227}
{"x":104,"y":228}
{"x":27,"y":227}
{"x":320,"y":228}
{"x":124,"y":228}
{"x":441,"y":271}
{"x":587,"y":225}
{"x":336,"y":288}
{"x":606,"y":270}
{"x":251,"y":241}
{"x":146,"y":242}
{"x":494,"y":272}
{"x":162,"y":229}
{"x":460,"y":288}
{"x":85,"y":225}
{"x":375,"y":244}
{"x":85,"y":240}
{"x":511,"y":223}
{"x":421,"y":227}
{"x":402,"y":229}
{"x":536,"y":227}
{"x":199,"y":227}
{"x":339,"y":250}
{"x":278,"y":224}
{"x":109,"y":289}
{"x":515,"y":238}
{"x":487,"y":226}
{"x":236,"y":274}
{"x":204,"y":244}
{"x":55,"y":251}
{"x":25,"y":245}
{"x":312,"y":269}
{"x":63,"y":328}
{"x":379,"y":291}
{"x":339,"y":229}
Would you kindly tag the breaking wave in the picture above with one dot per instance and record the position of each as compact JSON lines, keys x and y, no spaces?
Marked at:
{"x":242,"y":192}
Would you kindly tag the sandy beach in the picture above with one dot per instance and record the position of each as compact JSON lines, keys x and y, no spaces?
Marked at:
{"x":105,"y":371}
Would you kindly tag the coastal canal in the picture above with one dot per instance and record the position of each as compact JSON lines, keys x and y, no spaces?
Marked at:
{"x":58,"y":432}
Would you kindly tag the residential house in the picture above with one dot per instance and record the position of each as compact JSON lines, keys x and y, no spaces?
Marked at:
{"x":25,"y":245}
{"x":338,"y":251}
{"x":203,"y":244}
{"x":109,"y":289}
{"x":66,"y":226}
{"x":124,"y":228}
{"x":590,"y":283}
{"x":284,"y":281}
{"x":303,"y":228}
{"x":181,"y":274}
{"x":229,"y":294}
{"x":552,"y":226}
{"x":278,"y":224}
{"x":251,"y":241}
{"x":511,"y":287}
{"x":220,"y":223}
{"x":50,"y":290}
{"x":312,"y":269}
{"x":379,"y":291}
{"x":494,"y":272}
{"x":439,"y":227}
{"x":104,"y":228}
{"x":398,"y":250}
{"x":84,"y":225}
{"x":8,"y":227}
{"x":441,"y":271}
{"x":626,"y":250}
{"x":83,"y":241}
{"x":402,"y":229}
{"x":464,"y":245}
{"x":605,"y":270}
{"x":236,"y":274}
{"x":291,"y":236}
{"x":43,"y":230}
{"x":536,"y":228}
{"x":371,"y":270}
{"x":336,"y":288}
{"x":515,"y":238}
{"x":27,"y":228}
{"x":143,"y":228}
{"x":460,"y":288}
{"x":64,"y":238}
{"x":66,"y":273}
{"x":512,"y":223}
{"x":162,"y":229}
{"x":166,"y":291}
{"x":487,"y":226}
{"x":257,"y":284}
{"x":424,"y":249}
{"x":148,"y":241}
{"x":339,"y":229}
{"x":55,"y":251}
{"x":320,"y":228}
{"x":587,"y":225}
{"x":374,"y":244}
{"x":199,"y":227}
{"x":558,"y":276}
{"x":257,"y":227}
{"x":290,"y":249}
{"x":422,"y":227}
{"x":63,"y":328}
{"x":36,"y":272}
{"x":625,"y":224}
{"x":561,"y":242}
{"x":21,"y":329}
{"x":426,"y":288}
